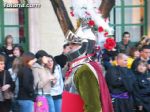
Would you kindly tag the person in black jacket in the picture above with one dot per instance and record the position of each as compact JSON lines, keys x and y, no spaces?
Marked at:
{"x":7,"y":49}
{"x":142,"y":87}
{"x":120,"y":83}
{"x":107,"y":57}
{"x":26,"y":83}
{"x":62,"y":58}
{"x":5,"y":84}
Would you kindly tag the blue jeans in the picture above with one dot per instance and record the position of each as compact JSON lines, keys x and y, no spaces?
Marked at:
{"x":57,"y":104}
{"x":26,"y":105}
{"x":50,"y":103}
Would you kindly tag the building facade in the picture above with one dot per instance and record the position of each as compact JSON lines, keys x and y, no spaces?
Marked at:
{"x":37,"y":27}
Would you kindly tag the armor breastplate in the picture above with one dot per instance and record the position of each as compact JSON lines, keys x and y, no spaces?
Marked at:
{"x":69,"y":84}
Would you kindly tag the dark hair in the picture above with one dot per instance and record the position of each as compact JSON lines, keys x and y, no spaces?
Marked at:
{"x":19,"y":47}
{"x":39,"y":61}
{"x":132,"y":51}
{"x":145,"y":47}
{"x":26,"y":57}
{"x":54,"y":65}
{"x":40,"y":54}
{"x":65,"y":45}
{"x":7,"y":37}
{"x":125,"y":34}
{"x":142,"y":62}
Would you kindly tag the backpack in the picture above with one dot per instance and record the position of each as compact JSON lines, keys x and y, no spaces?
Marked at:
{"x":41,"y":104}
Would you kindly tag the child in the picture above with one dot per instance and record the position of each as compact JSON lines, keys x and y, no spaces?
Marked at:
{"x":142,"y":87}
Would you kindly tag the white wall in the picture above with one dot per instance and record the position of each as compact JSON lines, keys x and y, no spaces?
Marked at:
{"x":44,"y":30}
{"x":34,"y":28}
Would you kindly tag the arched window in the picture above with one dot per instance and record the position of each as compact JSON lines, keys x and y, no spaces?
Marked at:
{"x":131,"y":16}
{"x":14,"y":21}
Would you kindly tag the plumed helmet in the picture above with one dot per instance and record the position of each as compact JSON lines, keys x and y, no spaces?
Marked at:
{"x":87,"y":45}
{"x":93,"y":27}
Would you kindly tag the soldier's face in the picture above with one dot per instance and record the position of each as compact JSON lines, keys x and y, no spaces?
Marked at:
{"x":67,"y":49}
{"x":74,"y":47}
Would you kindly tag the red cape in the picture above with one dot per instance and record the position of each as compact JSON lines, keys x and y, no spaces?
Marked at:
{"x":104,"y":92}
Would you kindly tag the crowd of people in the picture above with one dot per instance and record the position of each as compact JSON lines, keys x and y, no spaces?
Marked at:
{"x":127,"y":75}
{"x":25,"y":74}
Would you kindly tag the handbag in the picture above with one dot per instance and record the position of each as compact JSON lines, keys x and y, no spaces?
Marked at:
{"x":40,"y":103}
{"x":7,"y":95}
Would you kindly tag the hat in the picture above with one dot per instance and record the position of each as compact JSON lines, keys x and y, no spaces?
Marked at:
{"x":41,"y":53}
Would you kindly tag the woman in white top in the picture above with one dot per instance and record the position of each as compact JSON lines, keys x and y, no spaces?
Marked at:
{"x":57,"y":85}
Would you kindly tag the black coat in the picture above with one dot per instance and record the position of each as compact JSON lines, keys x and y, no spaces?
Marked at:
{"x":142,"y":89}
{"x":61,"y":60}
{"x":8,"y":80}
{"x":107,"y":56}
{"x":121,"y":80}
{"x":9,"y":57}
{"x":136,"y":63}
{"x":26,"y":81}
{"x":6,"y":104}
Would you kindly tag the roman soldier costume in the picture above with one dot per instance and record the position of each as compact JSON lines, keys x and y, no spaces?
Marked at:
{"x":85,"y":87}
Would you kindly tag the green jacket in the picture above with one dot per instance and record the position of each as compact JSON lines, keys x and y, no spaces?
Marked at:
{"x":88,"y":88}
